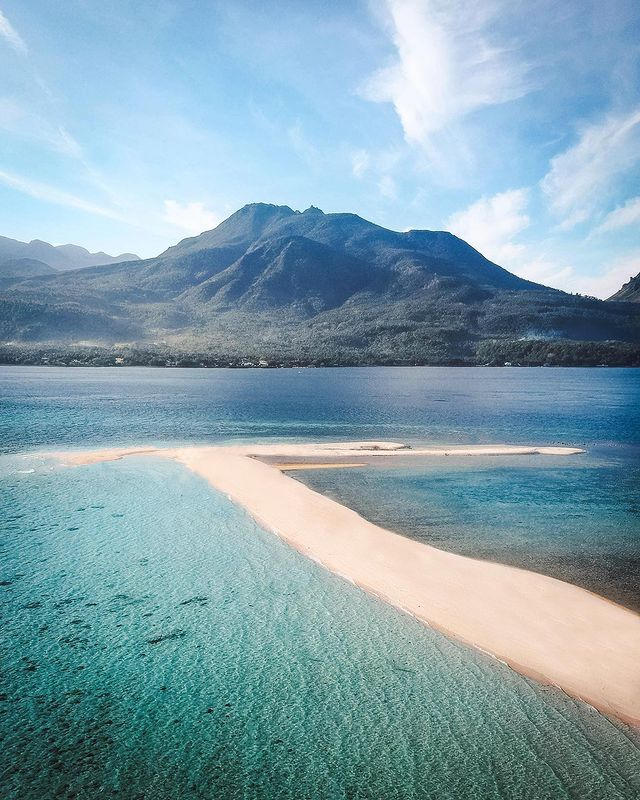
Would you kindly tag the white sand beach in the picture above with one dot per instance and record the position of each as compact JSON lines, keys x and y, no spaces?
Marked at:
{"x":547,"y":629}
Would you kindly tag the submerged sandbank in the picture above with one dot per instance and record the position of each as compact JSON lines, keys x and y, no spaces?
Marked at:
{"x":545,"y":628}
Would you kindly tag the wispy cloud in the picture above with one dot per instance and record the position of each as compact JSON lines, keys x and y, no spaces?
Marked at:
{"x":492,"y":223}
{"x":302,"y":146}
{"x":11,"y":35}
{"x":387,"y":187}
{"x":191,"y":217}
{"x":621,"y":217}
{"x":580,"y":179}
{"x":50,"y":194}
{"x":445,"y":65}
{"x":360,"y":162}
{"x":378,"y":168}
{"x":27,"y":124}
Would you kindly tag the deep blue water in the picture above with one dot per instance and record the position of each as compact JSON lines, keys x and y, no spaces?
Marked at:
{"x":72,"y":407}
{"x":157,"y":644}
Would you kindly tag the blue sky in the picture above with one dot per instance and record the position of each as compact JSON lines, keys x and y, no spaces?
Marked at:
{"x":127,"y":126}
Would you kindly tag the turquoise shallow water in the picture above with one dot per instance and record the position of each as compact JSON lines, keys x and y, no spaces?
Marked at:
{"x":157,"y":644}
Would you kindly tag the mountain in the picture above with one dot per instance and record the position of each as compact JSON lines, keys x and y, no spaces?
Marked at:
{"x":60,"y":257}
{"x":287,"y":285}
{"x":630,"y":292}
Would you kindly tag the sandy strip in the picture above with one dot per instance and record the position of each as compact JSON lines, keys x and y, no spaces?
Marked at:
{"x":324,"y":450}
{"x":112,"y":454}
{"x":312,"y":465}
{"x":552,"y":631}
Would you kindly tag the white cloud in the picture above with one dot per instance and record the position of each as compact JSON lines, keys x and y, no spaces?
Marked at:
{"x":11,"y":35}
{"x":491,"y":224}
{"x":621,"y":217}
{"x":191,"y":217}
{"x":445,"y":66}
{"x":49,"y":194}
{"x":581,"y":177}
{"x":612,"y":279}
{"x":547,"y":272}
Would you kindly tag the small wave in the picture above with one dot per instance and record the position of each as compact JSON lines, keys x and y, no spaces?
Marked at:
{"x":25,"y":471}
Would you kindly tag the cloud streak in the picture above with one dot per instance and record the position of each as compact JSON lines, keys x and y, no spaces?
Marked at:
{"x":445,"y":65}
{"x":50,"y":194}
{"x":581,"y":178}
{"x":27,"y":124}
{"x":621,"y":217}
{"x":11,"y":36}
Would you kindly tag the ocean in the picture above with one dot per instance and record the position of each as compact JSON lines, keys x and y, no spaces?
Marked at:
{"x":156,"y":643}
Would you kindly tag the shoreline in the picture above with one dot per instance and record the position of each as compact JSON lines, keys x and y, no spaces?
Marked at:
{"x":223,"y":364}
{"x":544,"y":628}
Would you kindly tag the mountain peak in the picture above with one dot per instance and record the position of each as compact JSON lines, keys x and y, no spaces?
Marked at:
{"x":306,"y":282}
{"x":238,"y":230}
{"x":262,"y":208}
{"x":257,"y":215}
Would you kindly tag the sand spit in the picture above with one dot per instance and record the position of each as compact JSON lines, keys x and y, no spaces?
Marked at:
{"x":552,"y":631}
{"x":95,"y":456}
{"x":317,"y":465}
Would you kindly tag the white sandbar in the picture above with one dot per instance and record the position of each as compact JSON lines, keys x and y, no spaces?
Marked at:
{"x":547,"y":629}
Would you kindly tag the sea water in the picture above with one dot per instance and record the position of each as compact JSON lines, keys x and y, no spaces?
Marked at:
{"x":156,"y":643}
{"x":49,"y":407}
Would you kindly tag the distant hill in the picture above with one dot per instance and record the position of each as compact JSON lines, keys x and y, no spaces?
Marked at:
{"x":284,"y":285}
{"x":60,"y":257}
{"x":24,"y":268}
{"x":630,"y":292}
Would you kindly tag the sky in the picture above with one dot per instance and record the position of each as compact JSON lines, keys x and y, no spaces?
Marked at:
{"x":515,"y":125}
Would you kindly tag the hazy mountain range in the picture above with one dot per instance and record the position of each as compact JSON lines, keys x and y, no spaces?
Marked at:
{"x":38,"y":255}
{"x":278,"y":283}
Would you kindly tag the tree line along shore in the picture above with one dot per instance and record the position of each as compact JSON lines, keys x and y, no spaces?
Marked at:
{"x":494,"y":353}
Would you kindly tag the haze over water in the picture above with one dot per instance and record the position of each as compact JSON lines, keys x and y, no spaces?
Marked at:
{"x":157,"y":643}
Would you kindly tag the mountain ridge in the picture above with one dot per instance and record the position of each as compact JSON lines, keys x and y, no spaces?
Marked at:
{"x":61,"y":257}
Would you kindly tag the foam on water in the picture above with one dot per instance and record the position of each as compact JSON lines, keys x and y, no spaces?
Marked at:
{"x":156,"y":643}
